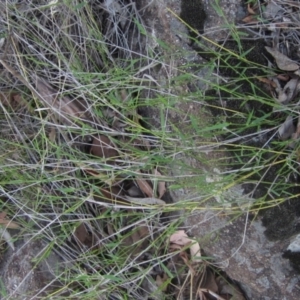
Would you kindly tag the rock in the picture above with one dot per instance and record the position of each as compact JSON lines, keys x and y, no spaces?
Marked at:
{"x":238,"y":244}
{"x":24,"y":278}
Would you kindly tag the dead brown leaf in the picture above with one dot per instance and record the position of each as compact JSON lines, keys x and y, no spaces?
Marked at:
{"x":296,"y":135}
{"x":110,"y":195}
{"x":267,"y":81}
{"x":145,"y":187}
{"x":210,"y":281}
{"x":83,"y":237}
{"x":8,"y":223}
{"x":161,"y":185}
{"x":81,"y":233}
{"x":250,"y":9}
{"x":140,"y":143}
{"x":145,"y":201}
{"x":103,"y":147}
{"x":162,"y":282}
{"x":52,"y":134}
{"x":13,"y":100}
{"x":289,"y":91}
{"x":180,"y":238}
{"x":250,"y":19}
{"x":286,"y":129}
{"x":283,"y":77}
{"x":136,"y":238}
{"x":62,"y":107}
{"x":134,"y":191}
{"x":282,"y":61}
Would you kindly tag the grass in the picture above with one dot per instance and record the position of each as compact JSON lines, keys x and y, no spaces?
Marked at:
{"x":53,"y":188}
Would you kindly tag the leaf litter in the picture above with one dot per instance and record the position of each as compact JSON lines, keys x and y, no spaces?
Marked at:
{"x":184,"y":273}
{"x":136,"y":238}
{"x":284,"y":85}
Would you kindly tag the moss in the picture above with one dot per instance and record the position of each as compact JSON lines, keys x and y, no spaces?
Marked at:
{"x":193,"y":13}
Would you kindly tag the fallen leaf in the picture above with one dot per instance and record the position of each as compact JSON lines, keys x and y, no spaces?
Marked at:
{"x":145,"y":187}
{"x":7,"y":237}
{"x":267,"y":81}
{"x":162,"y":282}
{"x":86,"y":238}
{"x":250,"y":9}
{"x":195,"y":251}
{"x":296,"y":135}
{"x":81,"y":233}
{"x":209,"y":281}
{"x":289,"y":91}
{"x":250,"y":19}
{"x":8,"y":223}
{"x":103,"y":147}
{"x":13,"y":100}
{"x":161,"y":185}
{"x":2,"y":42}
{"x":145,"y":201}
{"x":283,"y":77}
{"x":286,"y":129}
{"x":52,"y":134}
{"x":136,"y":239}
{"x":297,"y":72}
{"x":181,"y":238}
{"x":109,"y":196}
{"x":62,"y":107}
{"x":134,"y":191}
{"x":282,"y":61}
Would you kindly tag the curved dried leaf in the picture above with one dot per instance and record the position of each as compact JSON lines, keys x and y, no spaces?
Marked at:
{"x":289,"y":91}
{"x":2,"y":42}
{"x":81,"y":233}
{"x":282,"y":61}
{"x":13,"y":100}
{"x":52,"y":134}
{"x":62,"y":107}
{"x":162,"y":281}
{"x":145,"y":187}
{"x":286,"y":129}
{"x":84,"y":237}
{"x":267,"y":81}
{"x":103,"y":147}
{"x":161,"y":185}
{"x":181,"y":238}
{"x":8,"y":223}
{"x":110,"y":196}
{"x":250,"y":19}
{"x":210,"y":281}
{"x":134,"y":191}
{"x":7,"y":237}
{"x":145,"y":201}
{"x":250,"y":9}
